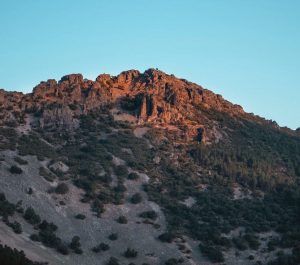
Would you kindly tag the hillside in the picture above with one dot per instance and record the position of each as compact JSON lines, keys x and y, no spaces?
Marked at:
{"x":145,"y":168}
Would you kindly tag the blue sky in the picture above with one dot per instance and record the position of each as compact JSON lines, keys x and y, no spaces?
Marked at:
{"x":246,"y":50}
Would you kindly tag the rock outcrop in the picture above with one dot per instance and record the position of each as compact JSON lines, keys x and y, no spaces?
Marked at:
{"x":153,"y":96}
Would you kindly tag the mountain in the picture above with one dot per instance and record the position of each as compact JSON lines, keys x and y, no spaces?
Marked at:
{"x":144,"y":168}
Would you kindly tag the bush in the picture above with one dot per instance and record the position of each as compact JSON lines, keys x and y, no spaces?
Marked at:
{"x":63,"y":249}
{"x":35,"y":237}
{"x":80,"y":216}
{"x":101,"y":247}
{"x":9,"y":256}
{"x":122,"y":220}
{"x":31,"y":217}
{"x":121,"y":170}
{"x":15,"y":170}
{"x":167,"y":237}
{"x":98,"y":207}
{"x":212,"y":252}
{"x":113,"y":261}
{"x":130,"y":253}
{"x":62,"y":188}
{"x":133,"y":176}
{"x":113,"y":236}
{"x":47,"y":226}
{"x":149,"y":214}
{"x":16,"y":227}
{"x":136,"y":198}
{"x":75,"y":243}
{"x":78,"y":251}
{"x":20,"y":161}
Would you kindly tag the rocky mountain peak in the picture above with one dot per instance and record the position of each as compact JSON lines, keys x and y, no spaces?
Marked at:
{"x":153,"y":97}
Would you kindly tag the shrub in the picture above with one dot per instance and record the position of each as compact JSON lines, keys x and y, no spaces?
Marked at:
{"x":120,"y":188}
{"x":6,"y":208}
{"x":113,"y":236}
{"x":78,"y":251}
{"x":47,"y":226}
{"x":149,"y":214}
{"x":98,"y":207}
{"x":167,"y":237}
{"x":136,"y":198}
{"x":212,"y":252}
{"x":31,"y":217}
{"x":75,"y":243}
{"x":130,"y":253}
{"x":80,"y":216}
{"x":9,"y":256}
{"x":15,"y":170}
{"x":35,"y":237}
{"x":121,"y":170}
{"x":62,"y":188}
{"x":63,"y":249}
{"x":16,"y":227}
{"x":133,"y":176}
{"x":113,"y":261}
{"x":20,"y":161}
{"x":30,"y":191}
{"x":122,"y":220}
{"x":101,"y":247}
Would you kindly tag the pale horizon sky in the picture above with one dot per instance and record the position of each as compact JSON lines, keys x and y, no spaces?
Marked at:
{"x":247,"y":51}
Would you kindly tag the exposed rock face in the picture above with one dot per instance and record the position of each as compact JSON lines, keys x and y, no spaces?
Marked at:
{"x":153,"y":96}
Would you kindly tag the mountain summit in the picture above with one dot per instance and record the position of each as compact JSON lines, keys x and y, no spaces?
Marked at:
{"x":144,"y":168}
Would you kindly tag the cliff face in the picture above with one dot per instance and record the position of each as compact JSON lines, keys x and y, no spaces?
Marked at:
{"x":154,"y":97}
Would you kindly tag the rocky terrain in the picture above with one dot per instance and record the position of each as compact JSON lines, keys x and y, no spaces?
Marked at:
{"x":145,"y":168}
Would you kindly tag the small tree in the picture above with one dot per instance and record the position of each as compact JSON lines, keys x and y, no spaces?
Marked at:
{"x":130,"y":253}
{"x":31,"y":217}
{"x":80,"y":216}
{"x":15,"y":170}
{"x":113,"y":236}
{"x":113,"y":261}
{"x":133,"y":176}
{"x":62,"y":188}
{"x":136,"y":198}
{"x":75,"y":243}
{"x":122,"y":220}
{"x":149,"y":214}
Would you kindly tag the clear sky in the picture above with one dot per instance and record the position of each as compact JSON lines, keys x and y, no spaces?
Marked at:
{"x":246,"y":50}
